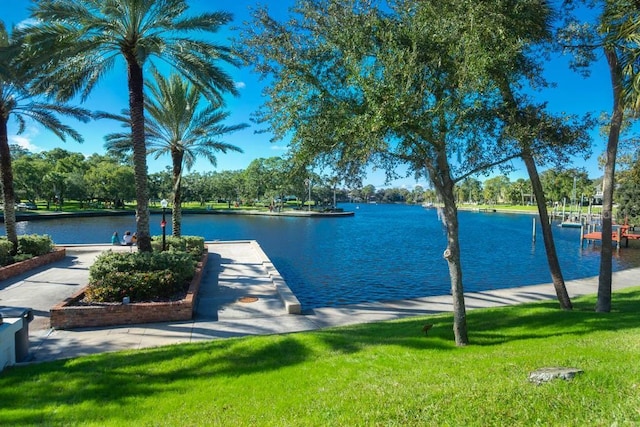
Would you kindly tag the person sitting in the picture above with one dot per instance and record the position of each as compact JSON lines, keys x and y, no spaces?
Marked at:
{"x":134,"y":238}
{"x":127,"y":239}
{"x":115,"y":239}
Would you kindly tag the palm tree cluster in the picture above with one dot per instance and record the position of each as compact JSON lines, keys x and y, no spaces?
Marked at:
{"x":179,"y":127}
{"x":73,"y":44}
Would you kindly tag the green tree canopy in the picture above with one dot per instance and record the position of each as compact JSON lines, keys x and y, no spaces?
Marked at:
{"x":412,"y":83}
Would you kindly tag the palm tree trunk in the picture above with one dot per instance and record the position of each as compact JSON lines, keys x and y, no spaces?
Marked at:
{"x":136,"y":106}
{"x":6,"y":178}
{"x":176,"y":213}
{"x":603,"y":303}
{"x":547,"y":234}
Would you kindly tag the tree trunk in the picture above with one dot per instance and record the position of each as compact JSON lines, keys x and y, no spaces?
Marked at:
{"x":452,"y":255}
{"x":541,"y":201}
{"x":176,"y":213}
{"x":6,"y":178}
{"x":445,"y":187}
{"x":547,"y":234}
{"x":136,"y":106}
{"x":603,"y":303}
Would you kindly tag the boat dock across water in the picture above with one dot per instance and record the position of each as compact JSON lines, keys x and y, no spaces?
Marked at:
{"x":622,"y":233}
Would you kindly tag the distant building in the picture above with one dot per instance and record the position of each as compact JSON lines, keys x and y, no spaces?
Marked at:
{"x":597,"y":198}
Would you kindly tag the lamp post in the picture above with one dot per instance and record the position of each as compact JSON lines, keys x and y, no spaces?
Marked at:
{"x":163,"y":224}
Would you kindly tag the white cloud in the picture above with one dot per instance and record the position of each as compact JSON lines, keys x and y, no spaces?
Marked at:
{"x":240,"y":85}
{"x":24,"y":140}
{"x":278,"y":147}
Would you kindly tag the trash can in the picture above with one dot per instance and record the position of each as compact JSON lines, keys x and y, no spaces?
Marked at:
{"x":22,"y":335}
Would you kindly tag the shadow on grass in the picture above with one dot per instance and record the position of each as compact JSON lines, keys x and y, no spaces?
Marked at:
{"x":493,"y":326}
{"x":90,"y":387}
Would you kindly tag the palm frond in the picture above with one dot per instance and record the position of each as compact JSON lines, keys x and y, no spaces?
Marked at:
{"x":48,"y":120}
{"x":210,"y":22}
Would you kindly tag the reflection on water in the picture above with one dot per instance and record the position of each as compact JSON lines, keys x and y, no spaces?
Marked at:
{"x":384,"y":252}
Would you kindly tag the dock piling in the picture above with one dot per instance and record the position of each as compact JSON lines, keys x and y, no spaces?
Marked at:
{"x":533,"y":233}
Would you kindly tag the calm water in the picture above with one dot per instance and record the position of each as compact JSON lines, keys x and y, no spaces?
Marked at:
{"x":383,"y":252}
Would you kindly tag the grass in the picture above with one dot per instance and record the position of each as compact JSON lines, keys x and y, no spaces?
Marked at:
{"x":385,"y":373}
{"x":75,"y":206}
{"x":533,"y":209}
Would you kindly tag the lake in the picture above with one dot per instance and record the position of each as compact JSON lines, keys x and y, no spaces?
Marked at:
{"x":383,"y":252}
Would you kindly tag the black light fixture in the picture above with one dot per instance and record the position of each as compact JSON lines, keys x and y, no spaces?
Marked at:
{"x":163,"y":224}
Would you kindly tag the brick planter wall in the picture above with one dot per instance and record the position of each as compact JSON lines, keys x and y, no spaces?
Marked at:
{"x":26,"y":265}
{"x":68,"y":316}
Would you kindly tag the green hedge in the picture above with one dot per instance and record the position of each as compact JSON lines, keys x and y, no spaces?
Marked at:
{"x":145,"y":286}
{"x":29,"y":246}
{"x":180,"y":263}
{"x":35,"y":245}
{"x":142,"y":276}
{"x":193,"y":245}
{"x":5,"y":251}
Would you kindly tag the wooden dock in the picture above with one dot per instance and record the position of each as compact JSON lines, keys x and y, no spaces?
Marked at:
{"x":621,"y":234}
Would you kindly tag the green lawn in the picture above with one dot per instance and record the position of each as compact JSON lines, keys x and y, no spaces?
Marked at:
{"x":376,"y":374}
{"x":525,"y":209}
{"x":75,"y":206}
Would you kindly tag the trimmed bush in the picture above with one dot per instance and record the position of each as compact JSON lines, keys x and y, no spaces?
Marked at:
{"x":144,"y":286}
{"x":180,"y":263}
{"x":141,"y":276}
{"x":34,"y":244}
{"x":145,"y":276}
{"x":29,"y":246}
{"x":5,"y":251}
{"x":194,"y":245}
{"x":21,"y":257}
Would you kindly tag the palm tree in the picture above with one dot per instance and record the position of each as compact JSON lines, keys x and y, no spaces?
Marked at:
{"x":177,"y":125}
{"x":80,"y":41}
{"x":621,"y":27}
{"x":16,"y":101}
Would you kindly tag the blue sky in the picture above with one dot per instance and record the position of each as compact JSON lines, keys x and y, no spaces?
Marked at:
{"x":573,"y":94}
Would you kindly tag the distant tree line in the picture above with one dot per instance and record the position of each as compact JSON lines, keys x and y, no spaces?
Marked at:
{"x":107,"y":181}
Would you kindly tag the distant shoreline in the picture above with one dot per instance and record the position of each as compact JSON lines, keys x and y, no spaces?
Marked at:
{"x":23,"y":216}
{"x":35,"y":216}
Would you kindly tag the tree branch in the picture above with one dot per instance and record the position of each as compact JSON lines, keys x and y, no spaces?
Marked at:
{"x":486,"y":166}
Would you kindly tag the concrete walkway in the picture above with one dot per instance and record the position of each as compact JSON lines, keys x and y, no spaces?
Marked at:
{"x":234,"y":270}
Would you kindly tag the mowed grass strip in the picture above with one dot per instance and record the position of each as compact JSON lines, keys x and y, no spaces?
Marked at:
{"x":386,"y":373}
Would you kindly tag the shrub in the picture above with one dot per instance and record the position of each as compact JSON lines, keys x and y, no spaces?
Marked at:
{"x":21,"y":257}
{"x":5,"y":251}
{"x":180,"y":263}
{"x":34,"y":244}
{"x":141,"y":286}
{"x":142,"y":276}
{"x":194,"y":245}
{"x":29,"y":246}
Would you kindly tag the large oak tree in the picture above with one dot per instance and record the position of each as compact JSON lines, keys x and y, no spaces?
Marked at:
{"x":355,"y":85}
